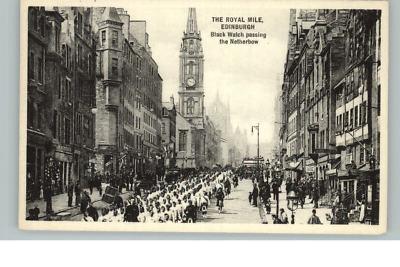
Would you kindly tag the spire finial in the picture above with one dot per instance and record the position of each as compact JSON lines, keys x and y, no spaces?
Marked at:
{"x":191,"y":25}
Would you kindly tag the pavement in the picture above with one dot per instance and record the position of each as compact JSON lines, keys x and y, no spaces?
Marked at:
{"x":236,"y":207}
{"x":60,"y":204}
{"x":301,"y":214}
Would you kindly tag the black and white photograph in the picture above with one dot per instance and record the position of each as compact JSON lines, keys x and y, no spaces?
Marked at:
{"x":248,"y":117}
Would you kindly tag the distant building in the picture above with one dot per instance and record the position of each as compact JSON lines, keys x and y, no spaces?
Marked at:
{"x":185,"y":143}
{"x":219,"y":113}
{"x":213,"y":144}
{"x":234,"y":145}
{"x":168,"y":133}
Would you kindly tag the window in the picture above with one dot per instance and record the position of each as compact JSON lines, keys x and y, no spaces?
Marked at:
{"x":42,"y":25}
{"x":114,"y":67}
{"x":39,"y":116}
{"x":182,"y":140}
{"x":40,"y":70}
{"x":57,"y":39}
{"x":30,"y":113}
{"x":68,"y":91}
{"x":67,"y":131}
{"x":362,"y":155}
{"x":89,"y":65}
{"x":34,"y":18}
{"x":363,"y":113}
{"x":103,"y":37}
{"x":356,"y":116}
{"x":114,"y":40}
{"x":191,"y":67}
{"x":59,"y":86}
{"x":55,"y":123}
{"x":80,"y":26}
{"x":31,"y":67}
{"x":190,"y":106}
{"x":351,"y":118}
{"x":79,"y":55}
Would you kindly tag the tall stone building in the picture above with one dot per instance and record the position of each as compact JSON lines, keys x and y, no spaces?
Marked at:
{"x":39,"y":135}
{"x":61,"y":94}
{"x":331,"y":104}
{"x":191,"y":89}
{"x":128,"y":99}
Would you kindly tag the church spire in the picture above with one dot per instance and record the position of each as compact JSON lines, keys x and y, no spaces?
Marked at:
{"x":191,"y":24}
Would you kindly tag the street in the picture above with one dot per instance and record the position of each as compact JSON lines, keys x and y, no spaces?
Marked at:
{"x":60,"y":204}
{"x":236,"y":208}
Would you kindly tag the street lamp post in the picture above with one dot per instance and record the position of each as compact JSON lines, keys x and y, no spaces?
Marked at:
{"x":292,"y":204}
{"x":257,"y":127}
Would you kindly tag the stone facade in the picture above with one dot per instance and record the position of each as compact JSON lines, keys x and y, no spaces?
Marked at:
{"x":129,"y":88}
{"x":191,"y":89}
{"x":168,"y":133}
{"x":61,"y":56}
{"x":330,"y":103}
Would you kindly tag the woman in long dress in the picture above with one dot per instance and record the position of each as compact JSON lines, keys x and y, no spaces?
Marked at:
{"x":362,"y":212}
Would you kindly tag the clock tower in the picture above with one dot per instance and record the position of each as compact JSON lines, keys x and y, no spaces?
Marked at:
{"x":191,"y":62}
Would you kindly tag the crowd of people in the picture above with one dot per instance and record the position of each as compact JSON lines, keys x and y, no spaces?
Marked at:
{"x":187,"y":198}
{"x":182,"y":201}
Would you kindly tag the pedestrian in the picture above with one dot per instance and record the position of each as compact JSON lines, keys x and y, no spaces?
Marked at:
{"x":36,"y":212}
{"x":92,"y":212}
{"x":31,"y":217}
{"x":283,"y":217}
{"x":47,"y":194}
{"x":361,"y":218}
{"x":250,"y":197}
{"x":77,"y":190}
{"x":70,"y":192}
{"x":300,"y":194}
{"x":131,"y":212}
{"x":315,"y":197}
{"x":275,"y":189}
{"x":314,"y":219}
{"x":85,"y":200}
{"x":99,"y":184}
{"x":255,"y":194}
{"x":275,"y":219}
{"x":90,"y":182}
{"x":191,"y":212}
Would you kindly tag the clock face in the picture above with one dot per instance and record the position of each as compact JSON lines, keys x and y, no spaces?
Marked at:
{"x":191,"y":82}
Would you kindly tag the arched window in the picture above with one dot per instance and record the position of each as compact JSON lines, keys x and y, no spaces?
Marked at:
{"x":191,"y":67}
{"x":190,"y":106}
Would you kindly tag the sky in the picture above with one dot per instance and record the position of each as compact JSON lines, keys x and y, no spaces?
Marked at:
{"x":248,"y":76}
